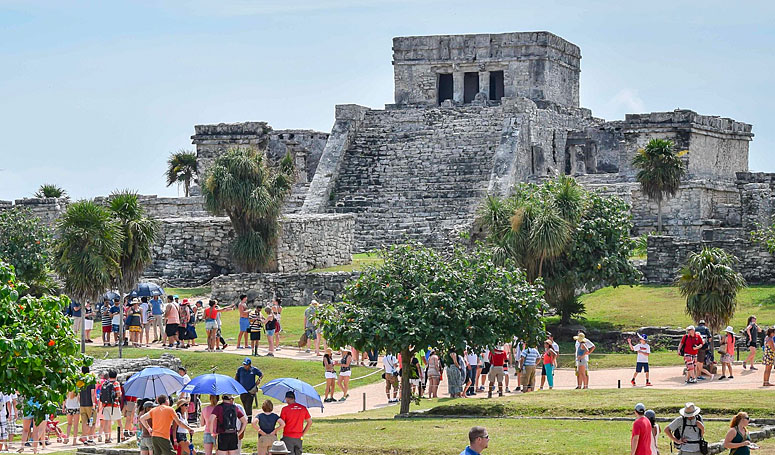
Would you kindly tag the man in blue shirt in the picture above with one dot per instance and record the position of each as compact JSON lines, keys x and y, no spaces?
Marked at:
{"x":527,"y":363}
{"x":75,"y":311}
{"x":478,"y":439}
{"x":246,"y":376}
{"x":156,"y":319}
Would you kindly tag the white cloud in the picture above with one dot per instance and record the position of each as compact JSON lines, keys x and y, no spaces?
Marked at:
{"x":626,"y":101}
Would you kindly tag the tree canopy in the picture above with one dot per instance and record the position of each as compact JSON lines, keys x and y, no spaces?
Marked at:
{"x":181,"y":168}
{"x":24,"y":244}
{"x":660,"y":170}
{"x":243,"y":185}
{"x":572,"y":238}
{"x":420,"y":298}
{"x":40,"y":358}
{"x":51,"y":190}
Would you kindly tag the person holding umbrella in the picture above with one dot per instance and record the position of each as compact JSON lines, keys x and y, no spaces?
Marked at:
{"x":297,"y":423}
{"x":224,"y":419}
{"x":246,"y":375}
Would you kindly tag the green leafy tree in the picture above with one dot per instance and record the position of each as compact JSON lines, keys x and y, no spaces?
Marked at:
{"x":87,"y":250}
{"x":710,"y":284}
{"x":419,"y":298}
{"x":25,"y":243}
{"x":40,"y":359}
{"x":139,"y":232}
{"x":181,"y":168}
{"x":242,"y":185}
{"x":765,"y":236}
{"x":660,"y":171}
{"x":572,"y":238}
{"x":51,"y":190}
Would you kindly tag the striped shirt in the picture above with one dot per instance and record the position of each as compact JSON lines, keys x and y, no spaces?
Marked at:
{"x":530,"y":355}
{"x":107,"y":318}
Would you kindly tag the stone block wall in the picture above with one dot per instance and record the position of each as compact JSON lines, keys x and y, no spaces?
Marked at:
{"x":294,"y":289}
{"x":306,"y":242}
{"x":127,"y":367}
{"x":757,"y":193}
{"x":666,"y":256}
{"x":169,"y":207}
{"x":46,"y":209}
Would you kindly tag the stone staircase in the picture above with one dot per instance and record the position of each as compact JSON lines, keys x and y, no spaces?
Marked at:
{"x":295,"y":200}
{"x":416,"y":173}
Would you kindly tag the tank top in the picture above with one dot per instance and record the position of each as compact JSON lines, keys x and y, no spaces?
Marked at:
{"x":547,"y":358}
{"x":73,"y":403}
{"x":739,"y":438}
{"x":210,"y":314}
{"x":271,"y":324}
{"x":343,"y":368}
{"x":328,"y":364}
{"x":173,"y":317}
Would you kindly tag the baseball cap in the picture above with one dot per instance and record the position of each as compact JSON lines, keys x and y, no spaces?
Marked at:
{"x":247,"y":361}
{"x":640,"y":408}
{"x":691,"y":327}
{"x":702,"y":321}
{"x":290,"y":394}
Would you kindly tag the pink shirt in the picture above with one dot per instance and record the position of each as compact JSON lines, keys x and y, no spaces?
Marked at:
{"x":207,"y":411}
{"x":173,"y":316}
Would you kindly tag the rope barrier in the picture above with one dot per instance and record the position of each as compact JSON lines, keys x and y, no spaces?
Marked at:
{"x":353,"y":379}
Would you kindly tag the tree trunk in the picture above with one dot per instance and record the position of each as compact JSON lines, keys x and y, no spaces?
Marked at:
{"x":659,"y":215}
{"x":406,"y":389}
{"x":83,"y":329}
{"x":186,"y":186}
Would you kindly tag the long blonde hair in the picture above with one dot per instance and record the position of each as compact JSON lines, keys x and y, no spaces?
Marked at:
{"x":736,"y":419}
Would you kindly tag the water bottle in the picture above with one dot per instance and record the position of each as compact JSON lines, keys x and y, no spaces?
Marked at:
{"x":191,"y":448}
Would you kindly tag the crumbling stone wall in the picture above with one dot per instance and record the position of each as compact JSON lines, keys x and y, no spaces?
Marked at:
{"x":293,"y":288}
{"x":127,"y":367}
{"x":48,"y":210}
{"x":168,"y":207}
{"x":306,"y":242}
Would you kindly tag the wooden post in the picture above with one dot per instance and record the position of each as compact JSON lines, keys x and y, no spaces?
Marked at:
{"x":364,"y":401}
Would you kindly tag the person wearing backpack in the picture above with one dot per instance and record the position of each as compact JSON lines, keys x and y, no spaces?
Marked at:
{"x":687,"y":432}
{"x":110,"y":403}
{"x":688,"y":348}
{"x":162,"y":418}
{"x":224,"y":420}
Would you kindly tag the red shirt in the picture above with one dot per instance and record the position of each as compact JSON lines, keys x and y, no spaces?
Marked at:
{"x":294,"y":416}
{"x":211,"y":313}
{"x":642,"y":428}
{"x":692,"y":344}
{"x":497,"y":358}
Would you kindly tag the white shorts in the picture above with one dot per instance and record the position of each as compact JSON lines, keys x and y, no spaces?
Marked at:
{"x":111,"y":413}
{"x":345,"y":373}
{"x":88,"y":324}
{"x":330,"y":375}
{"x":414,"y":382}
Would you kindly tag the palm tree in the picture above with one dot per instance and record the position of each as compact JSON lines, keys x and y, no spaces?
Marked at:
{"x":181,"y":167}
{"x":87,"y":251}
{"x":710,"y":284}
{"x":139,"y":234}
{"x":51,"y":190}
{"x":242,"y":185}
{"x":660,"y":171}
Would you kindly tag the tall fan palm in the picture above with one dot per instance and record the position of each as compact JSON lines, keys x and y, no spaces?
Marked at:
{"x":87,"y":250}
{"x":181,"y":168}
{"x":660,"y":171}
{"x":139,"y":234}
{"x":710,"y":284}
{"x":242,"y":185}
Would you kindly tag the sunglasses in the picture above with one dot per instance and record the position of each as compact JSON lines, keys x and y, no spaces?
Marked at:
{"x":487,"y":436}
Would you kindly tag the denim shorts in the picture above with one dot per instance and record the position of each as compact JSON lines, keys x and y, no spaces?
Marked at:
{"x":270,"y":333}
{"x":209,"y":438}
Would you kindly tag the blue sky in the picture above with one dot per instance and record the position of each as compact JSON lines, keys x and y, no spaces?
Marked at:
{"x":95,"y":95}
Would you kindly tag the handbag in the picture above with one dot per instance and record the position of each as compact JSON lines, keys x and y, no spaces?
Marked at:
{"x":703,"y":446}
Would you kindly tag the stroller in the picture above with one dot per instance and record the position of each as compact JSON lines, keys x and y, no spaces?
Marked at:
{"x":52,"y":428}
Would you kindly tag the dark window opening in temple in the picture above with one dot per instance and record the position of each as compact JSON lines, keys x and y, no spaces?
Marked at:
{"x":496,"y":85}
{"x":446,"y":87}
{"x":470,"y":86}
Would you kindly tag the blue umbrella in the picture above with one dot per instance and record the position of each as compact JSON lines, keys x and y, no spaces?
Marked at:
{"x":152,"y":382}
{"x":110,"y":295}
{"x":146,"y":290}
{"x":305,"y":393}
{"x":214,"y":384}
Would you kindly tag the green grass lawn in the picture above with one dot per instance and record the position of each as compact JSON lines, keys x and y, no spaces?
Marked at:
{"x":633,"y":307}
{"x":205,"y":362}
{"x":292,"y":327}
{"x":360,"y":262}
{"x":186,"y":293}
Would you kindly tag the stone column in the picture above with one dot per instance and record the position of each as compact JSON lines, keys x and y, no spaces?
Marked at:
{"x":484,"y":83}
{"x":457,"y":83}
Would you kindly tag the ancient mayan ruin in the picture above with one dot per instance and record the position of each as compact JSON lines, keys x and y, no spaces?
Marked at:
{"x":472,"y":115}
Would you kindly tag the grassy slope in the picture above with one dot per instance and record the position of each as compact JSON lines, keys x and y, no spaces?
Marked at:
{"x":360,"y":261}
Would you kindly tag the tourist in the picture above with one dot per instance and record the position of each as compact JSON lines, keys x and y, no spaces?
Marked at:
{"x":528,"y":360}
{"x":277,"y":310}
{"x":106,"y":318}
{"x":708,"y":367}
{"x":254,"y":329}
{"x":297,"y":423}
{"x":162,"y":417}
{"x":185,"y":320}
{"x":77,"y":314}
{"x":225,"y":419}
{"x":211,"y":325}
{"x":267,"y":424}
{"x":703,"y":331}
{"x":391,"y":376}
{"x":278,"y":448}
{"x":584,"y":347}
{"x":514,"y":352}
{"x":157,"y":318}
{"x":4,"y":424}
{"x":549,"y":362}
{"x":115,"y":321}
{"x":640,"y":442}
{"x":110,"y":403}
{"x":246,"y":375}
{"x":738,"y":439}
{"x":244,"y":321}
{"x":219,"y":324}
{"x":88,"y":321}
{"x":182,"y":433}
{"x":472,"y":364}
{"x":497,"y":361}
{"x":751,"y":339}
{"x":484,"y":359}
{"x":478,"y":440}
{"x":271,"y":325}
{"x":186,"y":379}
{"x":72,"y":410}
{"x":145,"y":312}
{"x":146,"y":440}
{"x":330,"y":375}
{"x":172,"y":316}
{"x":769,"y":355}
{"x":727,"y":349}
{"x":134,"y":322}
{"x":208,"y":439}
{"x":344,"y":374}
{"x":434,"y":374}
{"x":310,"y":328}
{"x":687,"y":431}
{"x":195,"y":316}
{"x":416,"y":376}
{"x":689,"y":346}
{"x":652,"y":416}
{"x":642,"y":361}
{"x":98,"y":408}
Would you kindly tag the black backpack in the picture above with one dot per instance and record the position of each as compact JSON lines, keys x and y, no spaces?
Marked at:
{"x":108,"y":393}
{"x":229,"y":424}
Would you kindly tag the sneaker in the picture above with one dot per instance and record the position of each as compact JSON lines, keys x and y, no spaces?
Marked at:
{"x":507,"y":390}
{"x":343,"y":399}
{"x":701,"y":378}
{"x":307,"y":351}
{"x":270,"y":355}
{"x":722,"y":377}
{"x":500,"y":394}
{"x":632,"y":381}
{"x":648,"y":384}
{"x":225,"y":346}
{"x":744,"y":366}
{"x":731,"y":377}
{"x":753,"y":368}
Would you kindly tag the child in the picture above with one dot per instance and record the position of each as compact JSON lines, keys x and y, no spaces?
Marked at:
{"x":254,"y":328}
{"x":642,"y":363}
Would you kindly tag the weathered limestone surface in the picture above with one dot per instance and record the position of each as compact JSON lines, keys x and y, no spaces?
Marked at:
{"x":306,"y":242}
{"x":293,"y":288}
{"x":47,"y":209}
